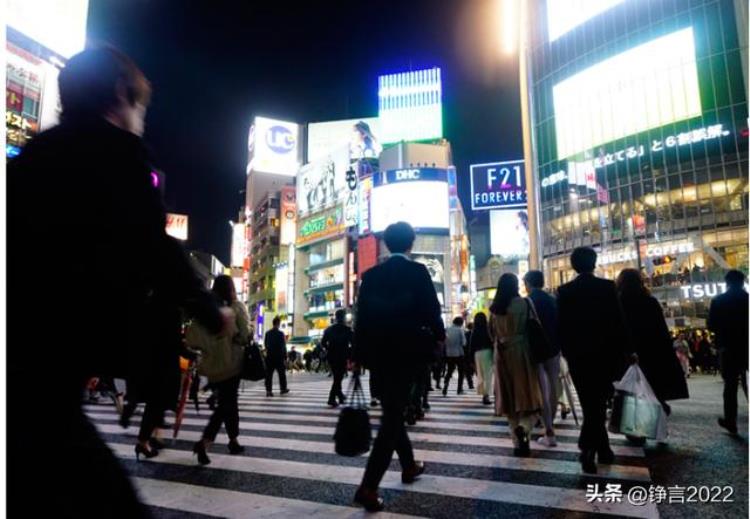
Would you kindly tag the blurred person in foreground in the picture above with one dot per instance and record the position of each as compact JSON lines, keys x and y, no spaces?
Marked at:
{"x":337,"y":340}
{"x":89,"y":181}
{"x":549,"y":370}
{"x":650,"y":338}
{"x":727,"y":318}
{"x":398,"y":323}
{"x":592,"y":338}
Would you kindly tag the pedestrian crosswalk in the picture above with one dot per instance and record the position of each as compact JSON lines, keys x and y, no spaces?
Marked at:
{"x":289,"y":468}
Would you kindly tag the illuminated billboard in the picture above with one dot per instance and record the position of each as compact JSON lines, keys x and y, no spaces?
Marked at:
{"x":435,"y":264}
{"x":509,"y":233}
{"x":239,"y":245}
{"x":288,"y":216}
{"x":498,"y":185}
{"x":322,"y":184}
{"x":177,"y":226}
{"x":418,"y":196}
{"x":565,"y":15}
{"x":273,"y":147}
{"x":59,"y":25}
{"x":411,"y":106}
{"x":362,"y":136}
{"x":645,"y":87}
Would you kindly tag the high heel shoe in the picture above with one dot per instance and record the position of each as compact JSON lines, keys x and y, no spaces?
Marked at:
{"x":156,"y":443}
{"x":148,"y":453}
{"x":199,"y":449}
{"x":235,"y":447}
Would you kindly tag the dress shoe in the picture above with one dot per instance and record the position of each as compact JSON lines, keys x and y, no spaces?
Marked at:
{"x":606,"y":457}
{"x":426,"y":406}
{"x":269,"y":393}
{"x":156,"y":443}
{"x":410,"y":475}
{"x":199,"y":449}
{"x":369,"y":499}
{"x":235,"y":447}
{"x":588,"y":465}
{"x":731,"y":427}
{"x":486,"y":400}
{"x":374,"y":403}
{"x":284,"y":391}
{"x":148,"y":453}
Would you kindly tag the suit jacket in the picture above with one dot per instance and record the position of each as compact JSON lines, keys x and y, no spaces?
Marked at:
{"x":275,"y":344}
{"x":337,"y":340}
{"x":397,"y":310}
{"x":727,"y":318}
{"x":590,"y":325}
{"x":546,"y":309}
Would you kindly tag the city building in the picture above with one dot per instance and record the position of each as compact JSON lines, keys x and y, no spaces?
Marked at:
{"x":640,"y":142}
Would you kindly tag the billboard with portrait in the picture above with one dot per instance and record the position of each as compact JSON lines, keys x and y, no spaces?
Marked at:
{"x":274,"y":147}
{"x":322,"y":184}
{"x":509,"y":233}
{"x":435,"y":264}
{"x":177,"y":226}
{"x":361,"y":135}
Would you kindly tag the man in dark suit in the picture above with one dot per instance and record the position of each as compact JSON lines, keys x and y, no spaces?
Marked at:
{"x":275,"y":344}
{"x":727,"y":318}
{"x":398,"y":323}
{"x":337,"y":340}
{"x":549,"y":370}
{"x":592,"y":338}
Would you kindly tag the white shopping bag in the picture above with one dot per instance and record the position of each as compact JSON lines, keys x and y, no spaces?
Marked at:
{"x":640,"y":412}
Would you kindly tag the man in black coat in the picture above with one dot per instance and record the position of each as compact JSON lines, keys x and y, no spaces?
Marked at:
{"x":592,"y":338}
{"x":87,"y":187}
{"x":398,"y":323}
{"x":728,"y":318}
{"x":337,"y":340}
{"x":275,"y":344}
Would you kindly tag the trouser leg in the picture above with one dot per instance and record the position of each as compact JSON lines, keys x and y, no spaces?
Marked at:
{"x":228,"y":401}
{"x":270,"y":368}
{"x":731,"y":379}
{"x":461,"y":365}
{"x":338,"y":376}
{"x":282,"y":377}
{"x":450,"y":367}
{"x":593,"y":392}
{"x":153,"y":416}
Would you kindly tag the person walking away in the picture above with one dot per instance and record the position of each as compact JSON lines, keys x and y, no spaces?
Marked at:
{"x":398,"y":320}
{"x":275,"y":345}
{"x":650,"y":338}
{"x":93,"y":173}
{"x":727,"y":319}
{"x":482,"y":349}
{"x":222,"y":366}
{"x":592,"y":340}
{"x":549,"y":370}
{"x":337,"y":340}
{"x":469,"y":367}
{"x":455,"y":341}
{"x":682,"y":350}
{"x":520,"y":395}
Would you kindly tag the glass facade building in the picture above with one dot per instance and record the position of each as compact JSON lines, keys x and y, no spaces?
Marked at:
{"x":640,"y":138}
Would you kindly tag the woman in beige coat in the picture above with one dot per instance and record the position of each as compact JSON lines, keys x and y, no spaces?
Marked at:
{"x":520,"y":397}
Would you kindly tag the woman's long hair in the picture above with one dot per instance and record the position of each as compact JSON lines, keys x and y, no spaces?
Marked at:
{"x":223,"y":288}
{"x":630,"y":284}
{"x":507,"y":290}
{"x":480,"y":329}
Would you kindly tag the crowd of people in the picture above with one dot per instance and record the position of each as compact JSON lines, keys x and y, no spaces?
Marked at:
{"x":116,"y":221}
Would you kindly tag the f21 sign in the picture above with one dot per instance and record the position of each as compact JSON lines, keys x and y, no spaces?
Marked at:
{"x":498,"y":185}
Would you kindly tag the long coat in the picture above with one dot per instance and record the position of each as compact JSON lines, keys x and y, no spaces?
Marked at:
{"x":518,"y":376}
{"x":650,"y":339}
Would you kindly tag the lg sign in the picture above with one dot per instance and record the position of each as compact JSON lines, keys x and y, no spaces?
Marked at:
{"x":280,"y":139}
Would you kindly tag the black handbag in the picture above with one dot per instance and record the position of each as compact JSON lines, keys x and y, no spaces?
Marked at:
{"x":253,"y":365}
{"x":353,"y":433}
{"x":540,"y":347}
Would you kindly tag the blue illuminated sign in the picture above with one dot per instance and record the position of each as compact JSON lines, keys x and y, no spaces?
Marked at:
{"x":393,"y":176}
{"x":498,"y":185}
{"x":12,"y":151}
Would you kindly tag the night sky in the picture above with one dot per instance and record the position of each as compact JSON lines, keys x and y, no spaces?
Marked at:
{"x":213,"y":65}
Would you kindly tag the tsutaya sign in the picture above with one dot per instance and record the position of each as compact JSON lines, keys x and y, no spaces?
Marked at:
{"x":652,"y":251}
{"x":708,"y":133}
{"x":704,"y":290}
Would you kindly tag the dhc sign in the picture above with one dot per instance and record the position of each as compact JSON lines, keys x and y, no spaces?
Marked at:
{"x":498,"y":185}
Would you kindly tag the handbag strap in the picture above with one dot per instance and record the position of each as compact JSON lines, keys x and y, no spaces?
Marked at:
{"x":356,"y":393}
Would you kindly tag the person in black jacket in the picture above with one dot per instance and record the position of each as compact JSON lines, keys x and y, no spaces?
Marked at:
{"x":727,"y":318}
{"x":482,"y":349}
{"x":650,"y":338}
{"x":397,"y":325}
{"x":592,"y":338}
{"x":337,"y":339}
{"x":275,"y":344}
{"x":90,"y":184}
{"x":549,"y":370}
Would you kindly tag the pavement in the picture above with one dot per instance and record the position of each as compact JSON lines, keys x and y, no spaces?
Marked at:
{"x":289,"y":468}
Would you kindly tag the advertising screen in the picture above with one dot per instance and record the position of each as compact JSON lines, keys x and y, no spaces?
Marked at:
{"x":417,"y":196}
{"x":411,"y":106}
{"x":23,"y":97}
{"x":509,"y":233}
{"x":177,"y":226}
{"x":322,"y":183}
{"x":59,"y":25}
{"x":273,"y":147}
{"x":645,"y":87}
{"x":239,"y":247}
{"x":498,"y":185}
{"x":288,"y":227}
{"x":565,"y":15}
{"x":435,"y":264}
{"x":362,"y":136}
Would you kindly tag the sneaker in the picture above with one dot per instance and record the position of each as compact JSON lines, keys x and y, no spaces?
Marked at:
{"x":547,"y":441}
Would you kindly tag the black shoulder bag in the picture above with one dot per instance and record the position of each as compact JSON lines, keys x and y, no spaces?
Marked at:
{"x":540,"y":347}
{"x":353,"y":434}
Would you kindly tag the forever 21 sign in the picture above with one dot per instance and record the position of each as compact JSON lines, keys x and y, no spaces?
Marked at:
{"x":498,"y":185}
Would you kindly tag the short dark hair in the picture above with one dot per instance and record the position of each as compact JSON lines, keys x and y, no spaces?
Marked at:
{"x":534,"y":278}
{"x":458,"y":321}
{"x":224,"y":289}
{"x":734,"y":278}
{"x":88,"y":83}
{"x":399,"y":237}
{"x":340,"y":316}
{"x":583,"y":260}
{"x":276,"y":321}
